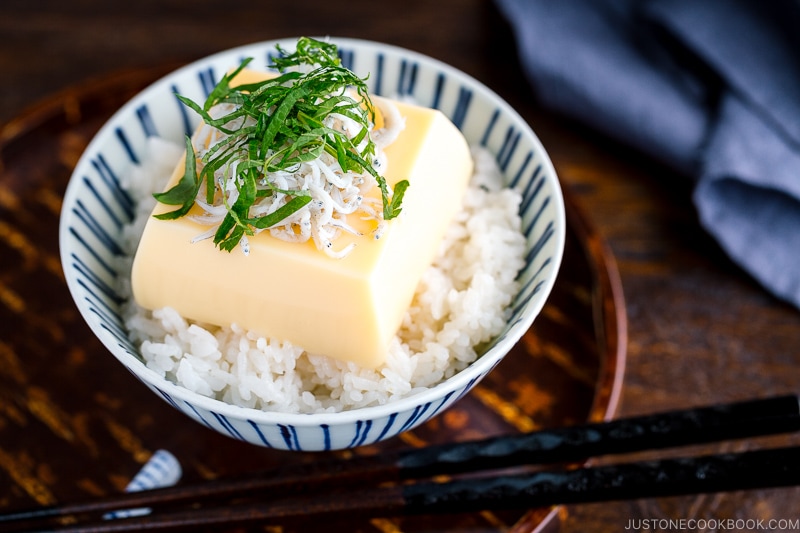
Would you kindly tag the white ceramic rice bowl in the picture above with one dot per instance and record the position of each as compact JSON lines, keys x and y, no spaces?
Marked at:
{"x":95,"y":208}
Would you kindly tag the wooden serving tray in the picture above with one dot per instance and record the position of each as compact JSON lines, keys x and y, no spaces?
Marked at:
{"x":74,"y":425}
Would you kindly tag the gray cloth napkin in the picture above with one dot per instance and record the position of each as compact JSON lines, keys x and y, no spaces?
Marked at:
{"x":710,"y":87}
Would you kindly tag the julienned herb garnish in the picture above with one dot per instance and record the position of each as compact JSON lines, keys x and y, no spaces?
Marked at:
{"x":269,"y":143}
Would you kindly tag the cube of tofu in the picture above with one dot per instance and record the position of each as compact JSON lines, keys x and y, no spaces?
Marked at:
{"x":347,"y":308}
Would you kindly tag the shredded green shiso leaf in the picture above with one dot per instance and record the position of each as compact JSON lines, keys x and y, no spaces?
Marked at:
{"x":271,"y":128}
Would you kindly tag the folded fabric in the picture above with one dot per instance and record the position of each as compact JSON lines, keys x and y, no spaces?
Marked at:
{"x":709,"y":87}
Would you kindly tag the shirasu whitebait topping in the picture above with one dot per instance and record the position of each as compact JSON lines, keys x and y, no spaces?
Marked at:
{"x":293,"y":154}
{"x":335,"y":193}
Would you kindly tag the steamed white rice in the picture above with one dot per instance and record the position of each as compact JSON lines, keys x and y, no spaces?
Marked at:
{"x":461,"y":303}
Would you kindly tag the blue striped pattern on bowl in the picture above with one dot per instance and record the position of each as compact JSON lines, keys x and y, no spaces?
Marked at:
{"x":96,"y":207}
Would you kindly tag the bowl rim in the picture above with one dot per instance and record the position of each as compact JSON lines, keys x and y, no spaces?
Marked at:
{"x":461,"y":380}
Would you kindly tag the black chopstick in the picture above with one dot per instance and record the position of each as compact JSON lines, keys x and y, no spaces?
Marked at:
{"x":562,"y":445}
{"x":745,"y":419}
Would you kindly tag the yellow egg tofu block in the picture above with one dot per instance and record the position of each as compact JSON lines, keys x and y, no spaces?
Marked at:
{"x":348,"y":308}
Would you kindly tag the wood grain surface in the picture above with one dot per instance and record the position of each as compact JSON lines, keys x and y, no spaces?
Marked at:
{"x":699,"y":330}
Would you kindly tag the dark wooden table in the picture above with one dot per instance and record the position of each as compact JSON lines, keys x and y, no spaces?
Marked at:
{"x":699,"y":329}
